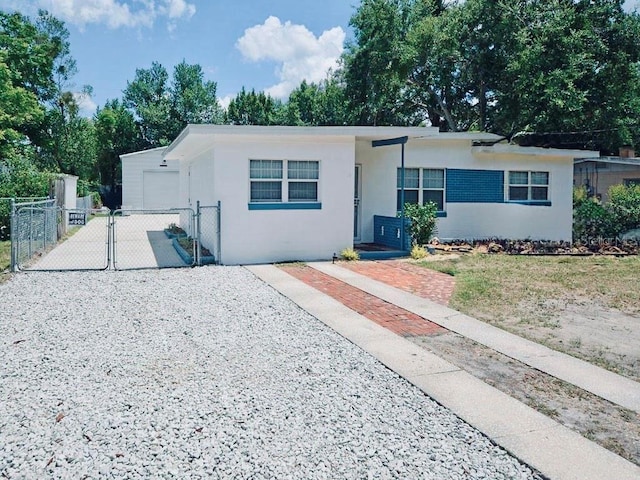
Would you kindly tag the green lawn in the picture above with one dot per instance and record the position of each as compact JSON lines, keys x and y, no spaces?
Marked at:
{"x":494,"y":285}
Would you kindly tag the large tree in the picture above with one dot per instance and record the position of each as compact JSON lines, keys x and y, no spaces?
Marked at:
{"x":116,"y":134}
{"x":552,"y":67}
{"x":317,"y":104}
{"x":251,"y":108}
{"x":163,"y":108}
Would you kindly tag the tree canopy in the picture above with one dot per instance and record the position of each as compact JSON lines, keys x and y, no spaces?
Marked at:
{"x":562,"y":73}
{"x":512,"y":67}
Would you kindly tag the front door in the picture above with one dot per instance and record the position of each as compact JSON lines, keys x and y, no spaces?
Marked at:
{"x":356,"y":203}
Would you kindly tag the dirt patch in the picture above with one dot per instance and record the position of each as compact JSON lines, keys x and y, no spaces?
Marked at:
{"x":586,"y":329}
{"x":611,"y":426}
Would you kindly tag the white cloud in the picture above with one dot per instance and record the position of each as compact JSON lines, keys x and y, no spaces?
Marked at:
{"x":86,"y":105}
{"x":299,"y":53}
{"x":225,"y":101}
{"x":118,"y":13}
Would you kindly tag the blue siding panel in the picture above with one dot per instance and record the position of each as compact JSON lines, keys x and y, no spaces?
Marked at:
{"x":475,"y":186}
{"x":386,"y":231}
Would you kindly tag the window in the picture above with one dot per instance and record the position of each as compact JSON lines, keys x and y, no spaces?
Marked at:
{"x":269,"y":185}
{"x":266,"y":180}
{"x":630,"y":182}
{"x":411,"y":186}
{"x":433,"y":187}
{"x":303,"y":181}
{"x":430,"y":189}
{"x":528,"y":186}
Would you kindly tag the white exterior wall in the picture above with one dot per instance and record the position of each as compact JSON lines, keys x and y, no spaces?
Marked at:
{"x":134,"y":165}
{"x":260,"y":236}
{"x":468,"y":220}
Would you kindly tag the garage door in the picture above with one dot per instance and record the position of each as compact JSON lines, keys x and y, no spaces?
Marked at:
{"x":160,"y":190}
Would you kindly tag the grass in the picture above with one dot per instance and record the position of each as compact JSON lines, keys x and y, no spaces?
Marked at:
{"x":499,"y":287}
{"x":5,"y":260}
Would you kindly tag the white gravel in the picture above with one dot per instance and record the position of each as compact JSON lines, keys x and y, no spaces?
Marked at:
{"x":207,"y":373}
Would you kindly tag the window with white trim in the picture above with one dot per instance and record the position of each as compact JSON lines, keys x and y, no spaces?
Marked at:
{"x":528,"y":187}
{"x":266,"y":180}
{"x":269,"y":184}
{"x":421,"y":186}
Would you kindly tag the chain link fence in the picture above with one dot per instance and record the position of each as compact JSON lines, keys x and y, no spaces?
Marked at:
{"x":34,"y":229}
{"x":49,"y":238}
{"x":208,"y":240}
{"x":153,"y":238}
{"x":75,"y":240}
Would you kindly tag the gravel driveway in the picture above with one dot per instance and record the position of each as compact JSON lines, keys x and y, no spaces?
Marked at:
{"x":207,"y":373}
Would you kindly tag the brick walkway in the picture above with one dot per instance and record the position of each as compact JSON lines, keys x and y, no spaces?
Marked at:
{"x":420,"y":281}
{"x":390,"y":316}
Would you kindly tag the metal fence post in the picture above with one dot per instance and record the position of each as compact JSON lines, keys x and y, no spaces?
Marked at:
{"x":13,"y":225}
{"x":218,"y":235}
{"x":198,"y":251}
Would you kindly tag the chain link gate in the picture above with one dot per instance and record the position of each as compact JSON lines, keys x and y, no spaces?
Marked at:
{"x":208,"y":239}
{"x":153,"y":238}
{"x":52,"y":239}
{"x":40,"y":238}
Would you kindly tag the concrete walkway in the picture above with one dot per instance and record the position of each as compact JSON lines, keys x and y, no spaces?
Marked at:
{"x":139,"y":243}
{"x":608,"y":385}
{"x":547,"y":446}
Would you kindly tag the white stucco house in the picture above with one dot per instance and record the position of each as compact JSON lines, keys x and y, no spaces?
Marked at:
{"x":305,"y":193}
{"x":148,"y":181}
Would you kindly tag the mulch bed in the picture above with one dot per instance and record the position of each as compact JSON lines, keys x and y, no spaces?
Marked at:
{"x":540,"y":247}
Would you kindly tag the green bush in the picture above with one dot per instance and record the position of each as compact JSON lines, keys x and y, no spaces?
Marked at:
{"x":591,"y":221}
{"x":19,"y":178}
{"x":422,"y":221}
{"x":624,"y":208}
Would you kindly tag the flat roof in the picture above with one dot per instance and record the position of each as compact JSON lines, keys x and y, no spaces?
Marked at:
{"x":611,"y":160}
{"x":195,"y":138}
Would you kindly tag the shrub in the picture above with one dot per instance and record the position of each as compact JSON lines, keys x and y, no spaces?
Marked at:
{"x":418,"y":252}
{"x":624,"y":208}
{"x":590,"y":221}
{"x":422,"y":221}
{"x":349,"y":254}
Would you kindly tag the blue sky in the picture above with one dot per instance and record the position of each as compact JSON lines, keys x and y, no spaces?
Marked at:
{"x":266,"y":45}
{"x":269,"y":45}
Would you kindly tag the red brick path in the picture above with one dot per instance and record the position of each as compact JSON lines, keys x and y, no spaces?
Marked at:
{"x":420,"y":281}
{"x":390,"y":316}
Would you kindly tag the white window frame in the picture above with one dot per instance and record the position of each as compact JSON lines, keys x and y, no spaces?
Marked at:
{"x":286,"y":179}
{"x":421,"y":185}
{"x":529,"y":186}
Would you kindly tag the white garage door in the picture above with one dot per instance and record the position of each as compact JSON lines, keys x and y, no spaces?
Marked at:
{"x":160,"y":190}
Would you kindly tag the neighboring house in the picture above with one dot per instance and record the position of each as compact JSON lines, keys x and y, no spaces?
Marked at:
{"x":148,"y":182}
{"x":305,"y":193}
{"x":597,"y":174}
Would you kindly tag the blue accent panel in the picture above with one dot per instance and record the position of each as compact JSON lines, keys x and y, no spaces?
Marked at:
{"x":386,"y":231}
{"x":475,"y":186}
{"x":540,"y":203}
{"x":286,"y":206}
{"x":441,"y":214}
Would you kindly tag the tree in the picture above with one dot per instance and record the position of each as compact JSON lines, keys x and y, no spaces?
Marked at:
{"x":251,"y":108}
{"x":317,"y":104}
{"x":116,"y":134}
{"x":372,"y":67}
{"x":163,"y":108}
{"x":193,"y":100}
{"x":563,"y":70}
{"x":148,"y":97}
{"x":19,"y":109}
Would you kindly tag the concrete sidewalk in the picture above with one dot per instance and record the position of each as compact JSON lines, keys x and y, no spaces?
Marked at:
{"x":603,"y":383}
{"x":544,"y":444}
